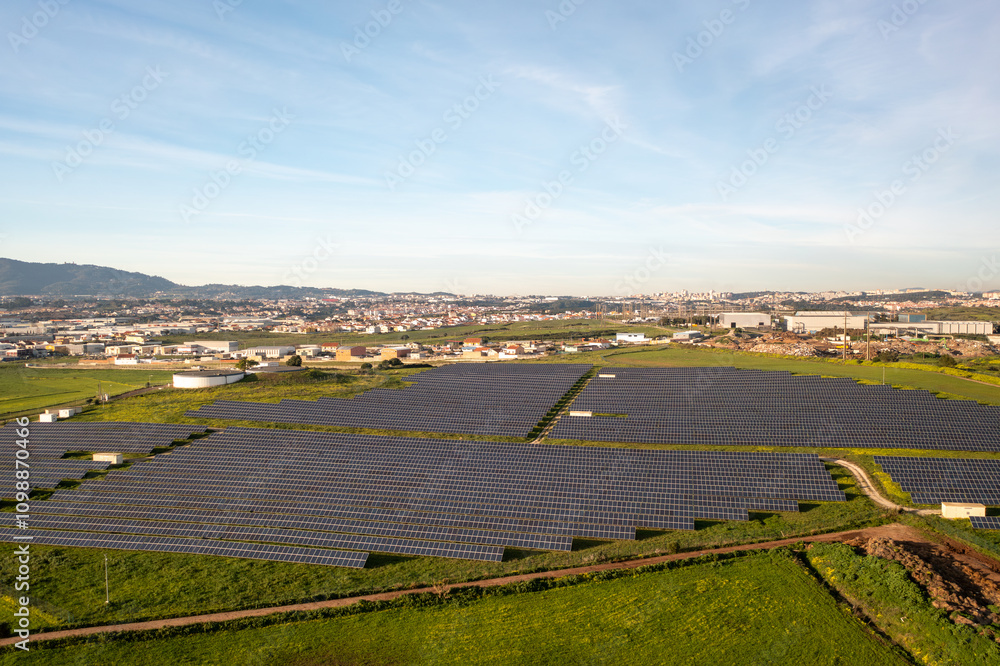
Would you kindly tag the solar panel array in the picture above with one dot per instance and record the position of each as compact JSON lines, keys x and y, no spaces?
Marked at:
{"x":986,"y":522}
{"x":491,"y":399}
{"x":727,"y":406}
{"x":411,"y":496}
{"x":250,"y":551}
{"x":936,"y":480}
{"x":48,"y":442}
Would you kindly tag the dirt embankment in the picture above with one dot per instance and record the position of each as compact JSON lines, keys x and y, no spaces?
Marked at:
{"x":792,"y":344}
{"x":958,"y":580}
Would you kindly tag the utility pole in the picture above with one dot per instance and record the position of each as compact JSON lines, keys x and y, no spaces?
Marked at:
{"x":107,"y":590}
{"x":868,"y":341}
{"x":845,"y":337}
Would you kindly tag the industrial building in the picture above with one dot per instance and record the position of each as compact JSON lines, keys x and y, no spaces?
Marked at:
{"x":744,"y":320}
{"x":933,"y":328}
{"x":630,"y":337}
{"x":215,"y":346}
{"x":811,"y":322}
{"x":269,"y":352}
{"x":351,"y":353}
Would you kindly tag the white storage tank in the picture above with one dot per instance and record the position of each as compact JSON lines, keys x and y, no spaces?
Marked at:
{"x":206,"y":378}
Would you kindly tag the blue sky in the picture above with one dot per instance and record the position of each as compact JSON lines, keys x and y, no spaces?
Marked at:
{"x":506,"y":147}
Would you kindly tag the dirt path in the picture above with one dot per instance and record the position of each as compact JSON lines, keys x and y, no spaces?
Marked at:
{"x":894,"y":531}
{"x":868,"y":488}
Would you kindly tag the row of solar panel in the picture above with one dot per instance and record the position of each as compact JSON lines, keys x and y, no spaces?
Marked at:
{"x":251,"y":551}
{"x":936,"y":480}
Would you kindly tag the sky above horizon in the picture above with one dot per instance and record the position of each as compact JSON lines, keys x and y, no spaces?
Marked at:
{"x":577,"y":147}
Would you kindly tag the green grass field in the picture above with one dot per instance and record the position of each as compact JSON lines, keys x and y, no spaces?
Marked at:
{"x":25,"y":390}
{"x":760,"y":609}
{"x":886,"y":594}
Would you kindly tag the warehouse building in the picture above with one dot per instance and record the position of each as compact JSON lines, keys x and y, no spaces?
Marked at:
{"x":744,"y":320}
{"x":811,"y":322}
{"x":351,"y":353}
{"x":933,"y":328}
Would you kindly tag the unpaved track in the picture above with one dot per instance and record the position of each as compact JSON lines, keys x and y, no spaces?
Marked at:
{"x":868,"y":488}
{"x":894,"y":531}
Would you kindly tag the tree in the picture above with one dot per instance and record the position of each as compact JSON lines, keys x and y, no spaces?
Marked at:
{"x":888,"y":356}
{"x":404,"y":336}
{"x":245,"y":364}
{"x":294,"y":361}
{"x":366,"y":366}
{"x":947,"y":361}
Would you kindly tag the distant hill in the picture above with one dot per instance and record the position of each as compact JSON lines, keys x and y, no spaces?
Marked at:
{"x":24,"y":278}
{"x":19,"y":278}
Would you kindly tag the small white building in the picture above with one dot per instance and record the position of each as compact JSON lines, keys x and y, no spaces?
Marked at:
{"x":269,"y":352}
{"x":955,"y":510}
{"x":688,"y":336}
{"x":630,"y":337}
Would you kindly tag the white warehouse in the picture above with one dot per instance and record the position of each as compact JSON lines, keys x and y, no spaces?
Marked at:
{"x":934,"y":328}
{"x":744,"y":320}
{"x":810,"y":322}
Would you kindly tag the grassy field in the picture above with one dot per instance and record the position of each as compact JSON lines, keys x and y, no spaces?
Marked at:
{"x":25,"y":389}
{"x":761,"y":609}
{"x":886,"y":594}
{"x":169,"y":405}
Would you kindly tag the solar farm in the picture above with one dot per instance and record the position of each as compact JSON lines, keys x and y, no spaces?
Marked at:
{"x":473,"y":399}
{"x":333,"y":498}
{"x":318,"y":493}
{"x":730,"y":407}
